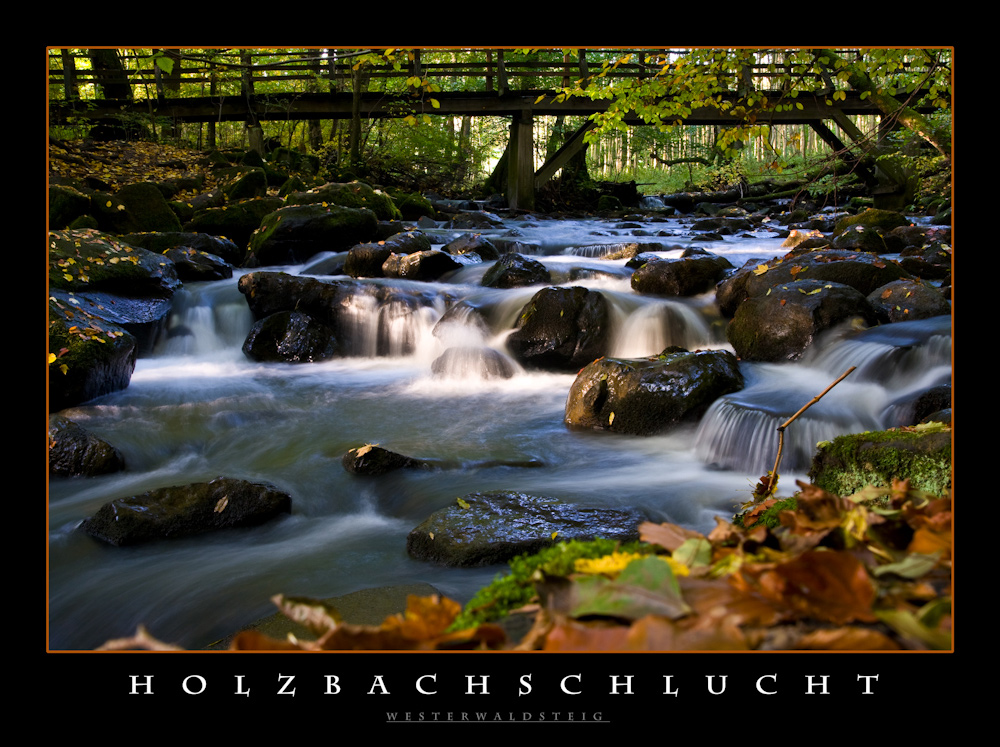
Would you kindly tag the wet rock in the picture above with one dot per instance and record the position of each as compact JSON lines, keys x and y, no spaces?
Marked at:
{"x":929,"y":261}
{"x":293,"y":234}
{"x":290,"y":337}
{"x":195,"y":265}
{"x":690,"y":275}
{"x":162,"y":241}
{"x":781,"y":325}
{"x":186,"y":510}
{"x":644,"y":396}
{"x":423,"y":265}
{"x":88,"y":355}
{"x":860,"y":270}
{"x":491,"y":528}
{"x":906,"y":300}
{"x":473,"y":243}
{"x":74,"y":451}
{"x":366,"y":260}
{"x":515,"y":271}
{"x":561,"y":329}
{"x":372,"y":459}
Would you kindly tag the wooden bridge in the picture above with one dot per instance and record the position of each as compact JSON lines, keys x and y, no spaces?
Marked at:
{"x":506,"y":84}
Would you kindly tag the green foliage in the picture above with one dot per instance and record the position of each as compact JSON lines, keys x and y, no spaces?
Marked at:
{"x":508,"y":592}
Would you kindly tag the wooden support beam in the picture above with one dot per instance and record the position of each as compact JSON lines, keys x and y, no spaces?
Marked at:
{"x":521,"y":166}
{"x":561,"y":157}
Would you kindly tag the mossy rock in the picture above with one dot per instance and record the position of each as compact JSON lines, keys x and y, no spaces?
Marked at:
{"x":352,"y":194}
{"x":880,"y":220}
{"x":921,"y":454}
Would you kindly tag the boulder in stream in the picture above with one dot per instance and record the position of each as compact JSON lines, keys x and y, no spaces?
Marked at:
{"x":290,"y":337}
{"x":921,"y":454}
{"x":644,"y":396}
{"x":781,"y":325}
{"x":516,"y":271}
{"x":491,"y":528}
{"x":561,"y":329}
{"x":293,"y":234}
{"x":186,"y":510}
{"x":690,"y":275}
{"x":74,"y":451}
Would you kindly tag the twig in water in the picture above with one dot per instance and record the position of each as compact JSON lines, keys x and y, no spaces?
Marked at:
{"x":772,"y":476}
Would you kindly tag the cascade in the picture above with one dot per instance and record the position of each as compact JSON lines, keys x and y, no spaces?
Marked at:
{"x":198,"y":408}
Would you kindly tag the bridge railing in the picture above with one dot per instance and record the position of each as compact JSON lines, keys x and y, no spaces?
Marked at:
{"x":74,"y":74}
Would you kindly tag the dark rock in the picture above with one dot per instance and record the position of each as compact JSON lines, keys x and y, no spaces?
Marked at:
{"x":515,"y":271}
{"x":852,"y":462}
{"x":366,"y":260}
{"x":88,"y":355}
{"x":144,"y":208}
{"x":186,"y":510}
{"x":161,"y":241}
{"x":561,"y":329}
{"x":194,"y":265}
{"x":474,"y":220}
{"x":74,"y":451}
{"x":929,"y":261}
{"x":780,"y":326}
{"x":236,"y":221}
{"x":905,"y":300}
{"x":684,"y":276}
{"x":421,"y":265}
{"x":85,"y":260}
{"x":66,"y":204}
{"x":289,"y":337}
{"x":293,"y":234}
{"x":491,"y":528}
{"x":470,"y":243}
{"x":644,"y":396}
{"x":861,"y":270}
{"x":372,"y":459}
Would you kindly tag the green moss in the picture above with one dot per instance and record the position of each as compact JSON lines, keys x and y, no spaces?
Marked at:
{"x":517,"y":588}
{"x":921,"y":454}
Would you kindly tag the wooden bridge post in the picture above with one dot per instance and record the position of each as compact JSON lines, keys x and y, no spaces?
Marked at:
{"x":521,"y":162}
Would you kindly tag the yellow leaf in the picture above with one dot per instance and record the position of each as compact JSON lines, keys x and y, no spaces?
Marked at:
{"x":760,"y":269}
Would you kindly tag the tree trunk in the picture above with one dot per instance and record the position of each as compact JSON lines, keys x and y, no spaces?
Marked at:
{"x":888,"y":105}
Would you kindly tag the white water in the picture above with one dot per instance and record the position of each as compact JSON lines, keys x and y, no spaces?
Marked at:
{"x":199,"y":408}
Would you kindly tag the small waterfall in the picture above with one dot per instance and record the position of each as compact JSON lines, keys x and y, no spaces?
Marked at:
{"x":206,"y":318}
{"x":645,"y":326}
{"x":740,"y":432}
{"x":396,"y":327}
{"x":894,"y":364}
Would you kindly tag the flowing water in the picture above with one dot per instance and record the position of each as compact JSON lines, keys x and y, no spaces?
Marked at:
{"x":198,"y":408}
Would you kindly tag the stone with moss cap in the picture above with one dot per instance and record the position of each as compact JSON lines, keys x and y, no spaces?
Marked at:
{"x":920,"y":453}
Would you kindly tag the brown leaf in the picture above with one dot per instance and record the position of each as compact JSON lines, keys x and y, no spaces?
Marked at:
{"x":667,"y":536}
{"x":825,"y":585}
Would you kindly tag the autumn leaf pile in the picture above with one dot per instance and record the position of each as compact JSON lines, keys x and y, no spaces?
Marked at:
{"x":117,"y":163}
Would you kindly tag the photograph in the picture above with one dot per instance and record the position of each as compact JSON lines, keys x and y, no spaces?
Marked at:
{"x":540,"y":386}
